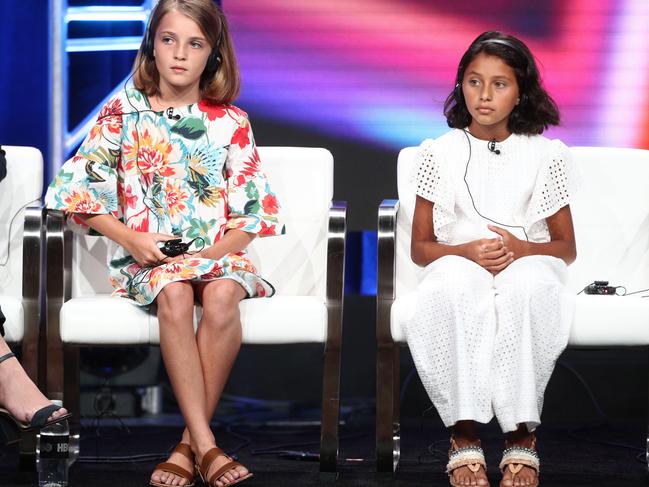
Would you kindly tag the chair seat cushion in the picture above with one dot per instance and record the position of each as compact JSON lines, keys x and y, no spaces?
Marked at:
{"x":14,"y":327}
{"x":104,"y":320}
{"x":599,"y":320}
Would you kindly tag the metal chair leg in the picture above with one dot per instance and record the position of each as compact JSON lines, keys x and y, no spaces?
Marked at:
{"x":72,"y":397}
{"x":388,"y":448}
{"x":330,"y":412}
{"x":32,"y":300}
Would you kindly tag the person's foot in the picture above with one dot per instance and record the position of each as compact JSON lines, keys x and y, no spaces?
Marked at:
{"x":182,"y":457}
{"x":518,"y":474}
{"x":232,"y":475}
{"x":19,"y":395}
{"x":469,"y":475}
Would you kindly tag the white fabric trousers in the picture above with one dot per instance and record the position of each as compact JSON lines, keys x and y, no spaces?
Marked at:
{"x":486,"y":345}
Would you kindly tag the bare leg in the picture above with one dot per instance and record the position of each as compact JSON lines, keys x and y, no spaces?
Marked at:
{"x":466,"y":434}
{"x":18,"y":394}
{"x":182,"y":361}
{"x":218,"y":342}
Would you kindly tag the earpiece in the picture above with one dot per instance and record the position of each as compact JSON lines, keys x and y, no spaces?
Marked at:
{"x":213,"y":63}
{"x":148,"y":44}
{"x":3,"y":164}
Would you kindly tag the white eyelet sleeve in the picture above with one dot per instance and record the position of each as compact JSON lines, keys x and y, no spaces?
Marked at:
{"x":556,"y":184}
{"x":433,"y":182}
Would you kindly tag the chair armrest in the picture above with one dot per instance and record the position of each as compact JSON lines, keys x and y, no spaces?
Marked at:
{"x":58,"y":252}
{"x":32,"y":295}
{"x":336,"y":240}
{"x":387,"y":233}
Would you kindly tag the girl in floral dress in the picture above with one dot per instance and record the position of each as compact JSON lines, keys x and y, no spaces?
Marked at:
{"x":172,"y":158}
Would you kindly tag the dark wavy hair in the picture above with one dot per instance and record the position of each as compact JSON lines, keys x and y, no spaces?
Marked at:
{"x":536,"y":110}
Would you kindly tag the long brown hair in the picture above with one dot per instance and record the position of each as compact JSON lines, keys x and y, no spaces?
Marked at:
{"x":221,"y":87}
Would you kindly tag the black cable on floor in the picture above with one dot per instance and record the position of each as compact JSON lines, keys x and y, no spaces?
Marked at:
{"x":605,"y":421}
{"x":270,"y":450}
{"x":587,"y":388}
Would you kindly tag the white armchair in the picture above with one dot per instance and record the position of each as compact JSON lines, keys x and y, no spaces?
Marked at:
{"x":611,"y":219}
{"x":20,"y":260}
{"x":306,"y":266}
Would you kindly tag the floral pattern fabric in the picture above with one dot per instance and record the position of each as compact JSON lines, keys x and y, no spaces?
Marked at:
{"x":195,"y":177}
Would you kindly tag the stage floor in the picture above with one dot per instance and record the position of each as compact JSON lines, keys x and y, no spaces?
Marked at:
{"x":569,"y":457}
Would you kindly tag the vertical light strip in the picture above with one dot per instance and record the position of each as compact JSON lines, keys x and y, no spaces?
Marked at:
{"x":626,"y":96}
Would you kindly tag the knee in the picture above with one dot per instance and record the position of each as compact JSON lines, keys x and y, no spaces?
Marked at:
{"x":531,"y":275}
{"x":175,"y":302}
{"x":221,"y":308}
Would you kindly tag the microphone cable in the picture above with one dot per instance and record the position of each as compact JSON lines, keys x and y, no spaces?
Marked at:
{"x":466,"y":183}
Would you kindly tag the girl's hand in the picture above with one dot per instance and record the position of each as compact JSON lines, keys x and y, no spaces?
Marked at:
{"x":203,"y":254}
{"x":489,"y":253}
{"x":516,"y":246}
{"x":143,"y":247}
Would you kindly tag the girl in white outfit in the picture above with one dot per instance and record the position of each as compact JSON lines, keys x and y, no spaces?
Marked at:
{"x":493,"y":230}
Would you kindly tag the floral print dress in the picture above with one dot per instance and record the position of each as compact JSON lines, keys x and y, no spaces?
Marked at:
{"x":195,"y":176}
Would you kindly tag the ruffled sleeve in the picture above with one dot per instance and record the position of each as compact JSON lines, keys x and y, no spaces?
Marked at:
{"x":433,"y":182}
{"x":252,"y":205}
{"x":88,"y":182}
{"x":556,"y":183}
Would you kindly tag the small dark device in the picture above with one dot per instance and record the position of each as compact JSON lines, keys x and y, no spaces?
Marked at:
{"x":2,"y":320}
{"x":3,"y":164}
{"x":600,"y":287}
{"x":172,"y":248}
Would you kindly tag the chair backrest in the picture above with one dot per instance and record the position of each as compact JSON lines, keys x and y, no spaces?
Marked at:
{"x":294,"y":263}
{"x":22,"y":186}
{"x":610,"y":214}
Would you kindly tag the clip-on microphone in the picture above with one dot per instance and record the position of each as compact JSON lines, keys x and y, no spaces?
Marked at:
{"x":170,"y":114}
{"x":491,"y":145}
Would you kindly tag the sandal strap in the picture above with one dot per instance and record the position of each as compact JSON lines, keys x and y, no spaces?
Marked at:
{"x":221,"y":471}
{"x":209,"y":457}
{"x":472,"y":456}
{"x":518,"y":455}
{"x":41,"y":416}
{"x":7,"y":356}
{"x":185,"y":450}
{"x":176,"y":470}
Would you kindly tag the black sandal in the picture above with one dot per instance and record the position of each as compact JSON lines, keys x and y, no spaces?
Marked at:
{"x":11,"y":428}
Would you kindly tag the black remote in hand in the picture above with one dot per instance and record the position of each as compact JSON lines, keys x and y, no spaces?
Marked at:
{"x":172,"y":248}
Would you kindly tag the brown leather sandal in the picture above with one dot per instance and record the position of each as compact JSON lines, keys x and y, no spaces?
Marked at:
{"x":184,"y":450}
{"x":517,"y":457}
{"x":209,"y":458}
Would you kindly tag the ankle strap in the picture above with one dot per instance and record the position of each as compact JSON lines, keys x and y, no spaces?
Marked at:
{"x":7,"y":357}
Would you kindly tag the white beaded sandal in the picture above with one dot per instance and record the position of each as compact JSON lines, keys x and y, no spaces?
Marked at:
{"x":517,"y":457}
{"x":471,"y":456}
